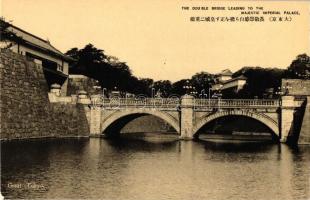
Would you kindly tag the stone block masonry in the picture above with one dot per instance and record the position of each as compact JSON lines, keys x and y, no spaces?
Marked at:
{"x":304,"y":137}
{"x":147,"y":124}
{"x":25,"y":108}
{"x":77,"y":83}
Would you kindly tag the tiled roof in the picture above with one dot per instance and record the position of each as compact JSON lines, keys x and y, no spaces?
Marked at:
{"x":226,"y":72}
{"x":37,"y":42}
{"x":237,"y":78}
{"x":222,"y":84}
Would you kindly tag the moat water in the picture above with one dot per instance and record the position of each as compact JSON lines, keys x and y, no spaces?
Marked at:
{"x":154,"y":168}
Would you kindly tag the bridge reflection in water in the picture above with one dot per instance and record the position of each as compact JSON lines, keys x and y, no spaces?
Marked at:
{"x":139,"y":169}
{"x":188,"y":115}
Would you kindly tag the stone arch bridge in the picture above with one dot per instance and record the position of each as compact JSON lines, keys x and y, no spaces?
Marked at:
{"x":187,"y":115}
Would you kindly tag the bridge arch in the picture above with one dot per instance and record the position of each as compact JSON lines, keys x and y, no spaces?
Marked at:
{"x":119,"y":114}
{"x":264,"y":119}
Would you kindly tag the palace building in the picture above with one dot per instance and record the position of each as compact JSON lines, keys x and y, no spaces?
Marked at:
{"x":55,"y":64}
{"x":226,"y":84}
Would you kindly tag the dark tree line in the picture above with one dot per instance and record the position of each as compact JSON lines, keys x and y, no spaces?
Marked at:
{"x":259,"y":79}
{"x":109,"y":71}
{"x":300,"y":67}
{"x":113,"y":74}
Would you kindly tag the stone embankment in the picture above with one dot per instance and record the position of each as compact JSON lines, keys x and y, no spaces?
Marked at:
{"x":26,"y":111}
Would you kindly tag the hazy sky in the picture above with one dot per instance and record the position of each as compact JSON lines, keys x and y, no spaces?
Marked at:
{"x":157,"y":39}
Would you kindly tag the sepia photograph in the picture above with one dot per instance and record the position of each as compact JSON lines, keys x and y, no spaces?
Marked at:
{"x":155,"y":99}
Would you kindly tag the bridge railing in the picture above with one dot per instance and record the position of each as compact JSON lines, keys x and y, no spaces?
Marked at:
{"x":236,"y":103}
{"x":174,"y":103}
{"x":114,"y":103}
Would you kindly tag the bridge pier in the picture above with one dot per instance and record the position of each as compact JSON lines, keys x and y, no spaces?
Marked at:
{"x":95,"y":121}
{"x":286,"y":117}
{"x":93,"y":113}
{"x":187,"y":117}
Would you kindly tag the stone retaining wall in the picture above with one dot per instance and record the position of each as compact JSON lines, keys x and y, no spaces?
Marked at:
{"x":25,"y":108}
{"x":77,"y":83}
{"x":304,"y":137}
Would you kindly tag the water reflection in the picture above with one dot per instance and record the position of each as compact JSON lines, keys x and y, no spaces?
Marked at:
{"x":155,"y":168}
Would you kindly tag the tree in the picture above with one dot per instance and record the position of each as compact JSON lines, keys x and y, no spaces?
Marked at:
{"x":259,"y":80}
{"x":108,"y":70}
{"x":202,"y":81}
{"x":178,"y":87}
{"x":145,"y":86}
{"x":163,"y":87}
{"x":90,"y":61}
{"x":73,"y":53}
{"x":121,"y":75}
{"x":300,"y":67}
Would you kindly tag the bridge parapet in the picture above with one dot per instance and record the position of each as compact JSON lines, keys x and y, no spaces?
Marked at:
{"x":81,"y":98}
{"x":124,"y":103}
{"x":237,"y":103}
{"x":174,"y":103}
